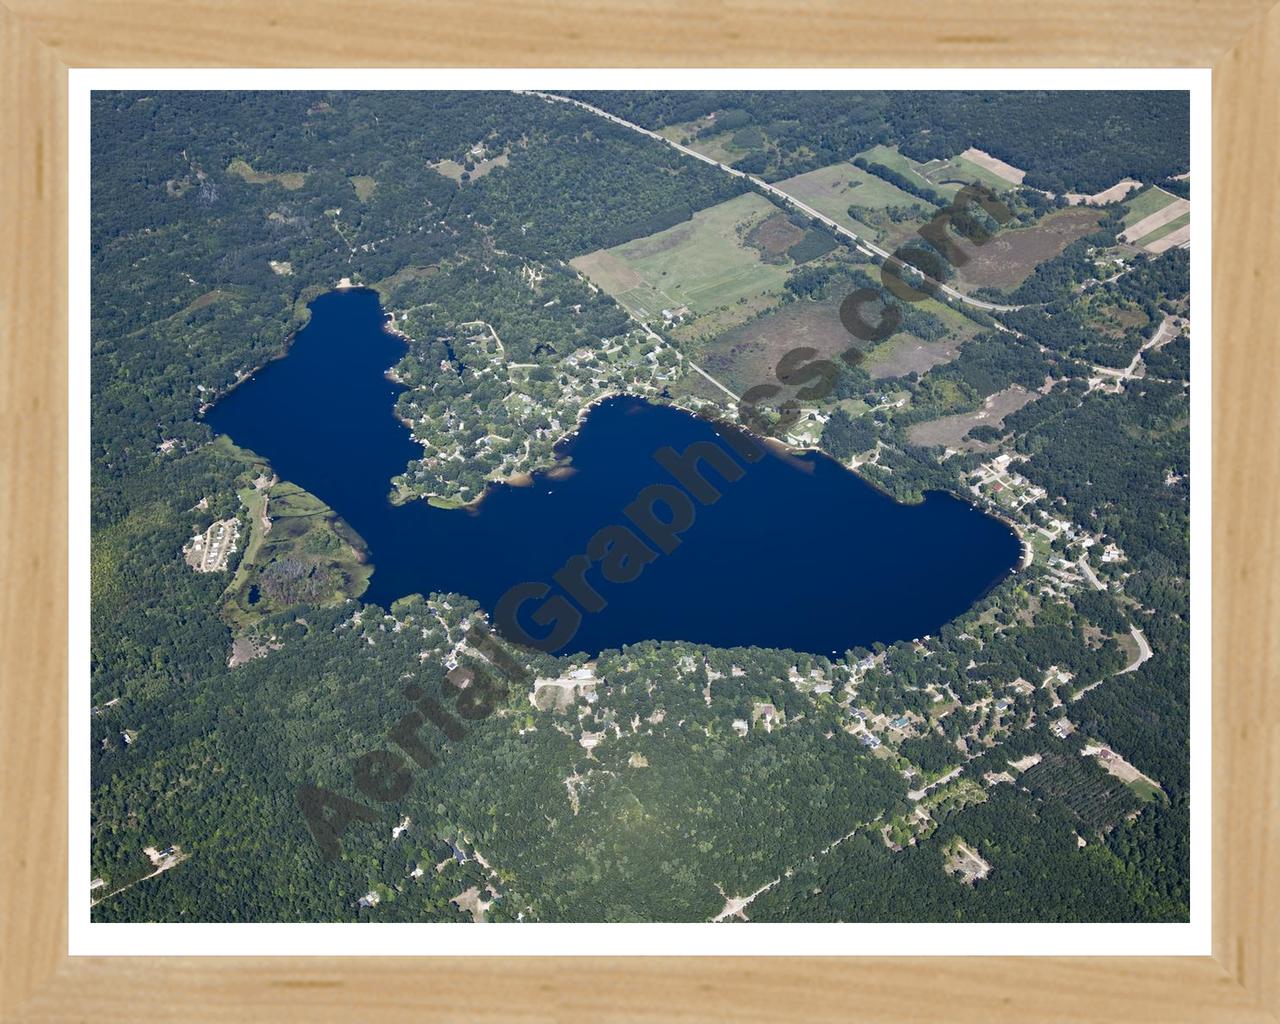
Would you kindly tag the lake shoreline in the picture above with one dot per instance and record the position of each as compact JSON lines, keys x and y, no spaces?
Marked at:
{"x":791,"y":550}
{"x":528,"y":476}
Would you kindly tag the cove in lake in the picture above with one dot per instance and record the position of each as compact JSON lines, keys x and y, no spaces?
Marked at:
{"x":798,"y":553}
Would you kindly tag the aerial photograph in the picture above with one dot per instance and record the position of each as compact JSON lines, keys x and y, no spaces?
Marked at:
{"x":639,"y":506}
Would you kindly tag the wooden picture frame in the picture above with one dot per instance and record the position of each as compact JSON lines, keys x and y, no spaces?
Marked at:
{"x":42,"y":39}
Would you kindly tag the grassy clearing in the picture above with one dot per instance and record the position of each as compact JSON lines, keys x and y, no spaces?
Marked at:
{"x":719,"y":147}
{"x":1145,"y":203}
{"x":901,"y":354}
{"x":437,"y":502}
{"x":949,"y":431}
{"x":292,"y":180}
{"x":404,"y":275}
{"x":1112,"y":318}
{"x":949,"y":176}
{"x":725,"y":147}
{"x":704,"y":263}
{"x":1041,"y":548}
{"x":453,"y":169}
{"x":1127,"y":643}
{"x":1008,"y":259}
{"x":292,"y":502}
{"x":895,"y":161}
{"x":739,"y":132}
{"x":1144,"y":790}
{"x":685,"y":130}
{"x":364,"y":186}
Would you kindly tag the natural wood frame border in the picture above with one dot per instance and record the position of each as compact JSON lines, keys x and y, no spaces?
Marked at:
{"x":1240,"y":39}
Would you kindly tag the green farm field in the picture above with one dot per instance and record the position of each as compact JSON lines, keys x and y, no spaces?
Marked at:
{"x":833,"y":189}
{"x":704,"y":263}
{"x":1146,"y":203}
{"x":945,"y":177}
{"x":895,"y":161}
{"x":949,"y":176}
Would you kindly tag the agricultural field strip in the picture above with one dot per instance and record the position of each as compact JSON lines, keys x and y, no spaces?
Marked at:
{"x":995,"y":165}
{"x":1159,"y":219}
{"x":1181,"y":236}
{"x":1108,"y":195}
{"x":1142,"y":206}
{"x":1179,"y":226}
{"x":868,"y":248}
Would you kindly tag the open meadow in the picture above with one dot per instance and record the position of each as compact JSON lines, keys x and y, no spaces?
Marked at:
{"x":730,"y":144}
{"x":904,"y":352}
{"x":748,"y":354}
{"x":708,"y":264}
{"x":291,"y":180}
{"x":945,"y":177}
{"x":950,"y":431}
{"x":1145,"y":203}
{"x":1008,"y":258}
{"x":832,"y":190}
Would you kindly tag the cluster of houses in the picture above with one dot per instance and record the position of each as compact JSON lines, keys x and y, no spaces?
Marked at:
{"x":633,"y":362}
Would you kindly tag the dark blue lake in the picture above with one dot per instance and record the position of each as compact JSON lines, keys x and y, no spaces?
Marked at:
{"x":797,"y":552}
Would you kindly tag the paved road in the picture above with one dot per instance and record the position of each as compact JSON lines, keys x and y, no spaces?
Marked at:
{"x":1087,"y":569}
{"x":917,"y":794}
{"x":1144,"y":651}
{"x":861,"y":244}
